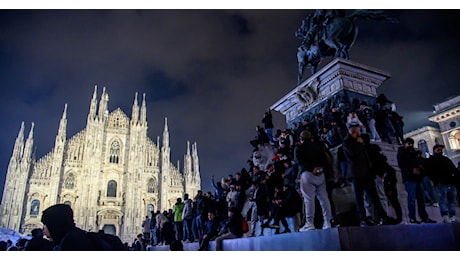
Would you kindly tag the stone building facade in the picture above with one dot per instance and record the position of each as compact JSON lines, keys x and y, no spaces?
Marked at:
{"x":447,"y":115}
{"x":111,"y":173}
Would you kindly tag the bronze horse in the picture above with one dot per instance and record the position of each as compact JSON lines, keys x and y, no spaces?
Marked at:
{"x":330,"y":34}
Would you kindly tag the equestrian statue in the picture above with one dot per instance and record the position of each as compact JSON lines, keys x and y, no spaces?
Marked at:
{"x":330,"y":33}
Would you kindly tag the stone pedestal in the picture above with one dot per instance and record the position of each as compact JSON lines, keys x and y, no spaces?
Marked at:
{"x":340,"y":83}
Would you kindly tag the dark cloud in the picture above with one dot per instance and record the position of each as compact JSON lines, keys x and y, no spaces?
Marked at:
{"x":212,"y":73}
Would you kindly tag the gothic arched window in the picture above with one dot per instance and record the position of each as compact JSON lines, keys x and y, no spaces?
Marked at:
{"x":112,"y":189}
{"x":34,"y":207}
{"x":151,"y":186}
{"x":69,"y":181}
{"x":114,"y":152}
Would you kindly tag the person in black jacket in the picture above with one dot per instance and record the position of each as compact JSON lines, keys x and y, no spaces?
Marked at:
{"x":359,"y":166}
{"x":313,"y":165}
{"x":268,"y":125}
{"x":212,"y":229}
{"x":59,"y":225}
{"x":412,"y":178}
{"x":231,"y":229}
{"x":443,"y":173}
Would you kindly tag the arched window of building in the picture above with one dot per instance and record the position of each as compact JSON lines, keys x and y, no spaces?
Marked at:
{"x":454,"y":140}
{"x":423,"y":146}
{"x":114,"y":152}
{"x":69,"y":181}
{"x":34,"y":207}
{"x":151,"y":186}
{"x":112,"y":188}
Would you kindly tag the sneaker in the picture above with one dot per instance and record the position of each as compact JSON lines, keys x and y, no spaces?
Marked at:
{"x":327,"y":225}
{"x":435,"y":204}
{"x":453,"y":219}
{"x":365,"y":223}
{"x":446,"y":219}
{"x":413,"y":221}
{"x":428,"y":220}
{"x":307,"y":227}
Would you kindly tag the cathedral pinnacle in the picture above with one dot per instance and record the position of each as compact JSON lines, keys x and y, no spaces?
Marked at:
{"x":135,"y":111}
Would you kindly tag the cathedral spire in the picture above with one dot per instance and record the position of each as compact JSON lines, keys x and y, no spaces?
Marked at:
{"x":63,"y":125}
{"x":143,"y":111}
{"x":19,"y":144}
{"x":103,"y":110}
{"x":28,"y":149}
{"x":195,"y":160}
{"x":166,"y":134}
{"x":92,"y":107}
{"x":135,"y":111}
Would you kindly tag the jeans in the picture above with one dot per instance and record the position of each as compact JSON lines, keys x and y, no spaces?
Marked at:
{"x":374,"y":133}
{"x":153,"y":235}
{"x":428,"y":185}
{"x":415,"y":193}
{"x":447,"y":199}
{"x":188,"y":234}
{"x":199,"y":226}
{"x":269,"y":132}
{"x":195,"y":233}
{"x":178,"y":229}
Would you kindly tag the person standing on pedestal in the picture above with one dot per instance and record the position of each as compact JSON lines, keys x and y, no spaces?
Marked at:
{"x":359,"y":166}
{"x":267,"y":120}
{"x":442,"y":171}
{"x":410,"y":170}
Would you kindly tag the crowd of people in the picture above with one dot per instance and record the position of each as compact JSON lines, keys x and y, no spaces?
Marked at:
{"x":291,"y":175}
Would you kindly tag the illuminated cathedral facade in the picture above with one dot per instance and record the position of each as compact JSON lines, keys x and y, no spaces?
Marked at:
{"x":111,"y":173}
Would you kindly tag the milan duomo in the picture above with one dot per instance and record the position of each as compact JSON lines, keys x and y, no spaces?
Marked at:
{"x":111,"y":173}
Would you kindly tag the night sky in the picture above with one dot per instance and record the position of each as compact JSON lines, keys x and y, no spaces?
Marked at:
{"x":212,"y":73}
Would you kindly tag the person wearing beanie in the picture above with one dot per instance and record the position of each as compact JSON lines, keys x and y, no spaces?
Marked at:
{"x":59,"y":225}
{"x":412,"y":178}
